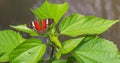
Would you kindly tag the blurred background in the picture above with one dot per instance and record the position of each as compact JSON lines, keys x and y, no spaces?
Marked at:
{"x":14,"y":12}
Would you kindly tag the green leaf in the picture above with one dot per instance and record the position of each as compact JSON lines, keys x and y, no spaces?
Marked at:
{"x":96,"y":50}
{"x":24,"y":28}
{"x":8,"y":41}
{"x":69,"y":45}
{"x":71,"y":60}
{"x":41,"y":61}
{"x":58,"y":54}
{"x":48,"y":10}
{"x":55,"y":40}
{"x":114,"y":60}
{"x":59,"y":61}
{"x":77,"y":24}
{"x":29,"y":51}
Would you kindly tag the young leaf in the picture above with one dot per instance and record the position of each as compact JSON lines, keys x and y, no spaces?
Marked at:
{"x":48,"y":10}
{"x":77,"y":24}
{"x":29,"y":51}
{"x":69,"y":45}
{"x":55,"y":40}
{"x":59,"y":61}
{"x":96,"y":50}
{"x":8,"y":41}
{"x":24,"y":28}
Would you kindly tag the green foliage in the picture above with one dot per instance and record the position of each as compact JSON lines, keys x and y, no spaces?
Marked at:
{"x":96,"y":50}
{"x":69,"y":45}
{"x":70,"y":60}
{"x":77,"y":24}
{"x":29,"y":51}
{"x":48,"y":10}
{"x":59,"y":61}
{"x":8,"y":41}
{"x":24,"y":28}
{"x":56,"y":41}
{"x":87,"y":48}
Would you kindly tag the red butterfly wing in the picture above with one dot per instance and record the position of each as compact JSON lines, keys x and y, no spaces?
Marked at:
{"x":37,"y":26}
{"x":40,"y":27}
{"x":44,"y":25}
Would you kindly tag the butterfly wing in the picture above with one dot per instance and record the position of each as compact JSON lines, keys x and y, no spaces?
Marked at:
{"x":41,"y":26}
{"x":35,"y":25}
{"x":44,"y":25}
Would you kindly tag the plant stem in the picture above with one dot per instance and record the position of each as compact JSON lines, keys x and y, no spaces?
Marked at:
{"x":52,"y":52}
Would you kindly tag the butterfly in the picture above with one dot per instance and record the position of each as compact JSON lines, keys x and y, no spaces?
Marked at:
{"x":40,"y":26}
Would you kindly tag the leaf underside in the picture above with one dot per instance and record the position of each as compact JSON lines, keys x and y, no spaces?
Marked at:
{"x":24,"y":28}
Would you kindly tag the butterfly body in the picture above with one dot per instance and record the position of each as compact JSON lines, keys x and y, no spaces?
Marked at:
{"x":41,"y":26}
